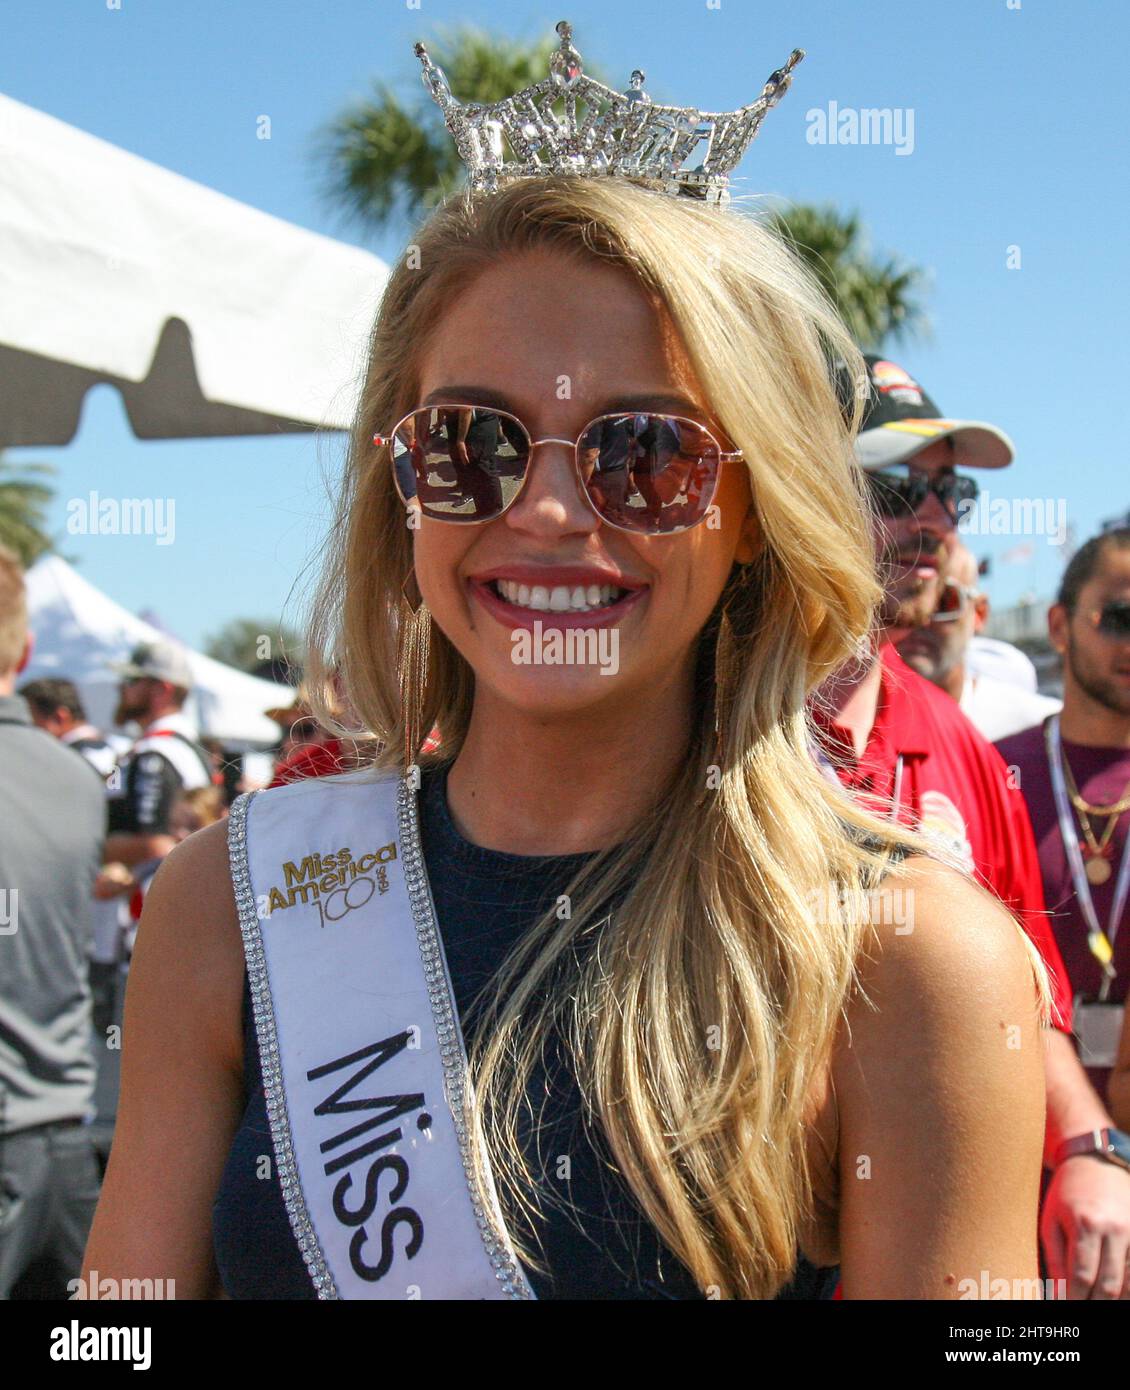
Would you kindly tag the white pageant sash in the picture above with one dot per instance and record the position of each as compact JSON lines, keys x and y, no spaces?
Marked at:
{"x":362,"y":1052}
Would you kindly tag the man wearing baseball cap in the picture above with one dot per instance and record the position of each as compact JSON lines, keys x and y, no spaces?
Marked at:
{"x":892,"y":735}
{"x":165,"y":760}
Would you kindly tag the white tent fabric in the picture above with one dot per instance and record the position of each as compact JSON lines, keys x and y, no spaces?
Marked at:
{"x":210,"y":317}
{"x":79,"y":631}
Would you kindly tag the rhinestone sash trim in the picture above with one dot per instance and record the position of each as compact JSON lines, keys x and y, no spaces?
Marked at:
{"x":508,"y":1272}
{"x":300,"y":1222}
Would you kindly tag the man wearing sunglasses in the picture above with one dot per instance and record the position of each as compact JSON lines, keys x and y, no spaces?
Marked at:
{"x":1074,"y":774}
{"x":940,"y":652}
{"x":894,"y":736}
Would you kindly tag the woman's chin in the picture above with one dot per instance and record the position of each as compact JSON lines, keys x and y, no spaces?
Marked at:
{"x":552,"y":691}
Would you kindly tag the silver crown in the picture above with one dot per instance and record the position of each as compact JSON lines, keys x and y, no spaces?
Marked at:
{"x":623,"y":133}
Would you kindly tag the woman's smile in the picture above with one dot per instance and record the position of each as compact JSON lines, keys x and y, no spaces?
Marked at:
{"x":558,"y":596}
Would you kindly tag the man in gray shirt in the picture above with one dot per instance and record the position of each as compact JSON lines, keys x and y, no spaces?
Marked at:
{"x":52,"y":827}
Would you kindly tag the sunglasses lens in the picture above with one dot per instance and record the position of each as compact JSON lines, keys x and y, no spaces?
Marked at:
{"x":965,"y":488}
{"x":956,"y":491}
{"x":1114,"y":621}
{"x":649,"y":473}
{"x":896,"y":491}
{"x":460,"y":463}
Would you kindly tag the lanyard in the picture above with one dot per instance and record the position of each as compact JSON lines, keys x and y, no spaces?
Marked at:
{"x":1101,"y":943}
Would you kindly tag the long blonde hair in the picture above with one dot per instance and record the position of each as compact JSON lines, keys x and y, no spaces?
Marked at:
{"x":706,"y":1005}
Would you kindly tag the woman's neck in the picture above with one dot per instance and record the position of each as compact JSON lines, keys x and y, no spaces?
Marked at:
{"x":525,"y":783}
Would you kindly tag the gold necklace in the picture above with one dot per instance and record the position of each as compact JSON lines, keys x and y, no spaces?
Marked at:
{"x":1097,"y":867}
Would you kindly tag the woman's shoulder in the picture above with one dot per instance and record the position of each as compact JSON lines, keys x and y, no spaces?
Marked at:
{"x":946,"y":984}
{"x":944,"y":969}
{"x":189,"y":951}
{"x":934,"y":928}
{"x":938,"y":1063}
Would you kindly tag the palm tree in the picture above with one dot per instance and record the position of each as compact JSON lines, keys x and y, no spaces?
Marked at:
{"x":388,"y":160}
{"x":877,"y":299}
{"x":23,"y":509}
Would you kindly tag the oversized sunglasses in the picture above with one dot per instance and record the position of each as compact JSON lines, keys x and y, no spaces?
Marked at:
{"x":903,"y":488}
{"x":640,"y":471}
{"x":952,"y":601}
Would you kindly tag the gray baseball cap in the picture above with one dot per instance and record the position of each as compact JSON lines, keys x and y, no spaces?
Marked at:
{"x":159,"y":661}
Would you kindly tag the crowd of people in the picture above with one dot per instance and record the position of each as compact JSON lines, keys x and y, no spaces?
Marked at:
{"x":931,"y":727}
{"x":78,"y":853}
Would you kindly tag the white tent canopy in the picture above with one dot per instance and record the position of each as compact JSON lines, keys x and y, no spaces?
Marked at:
{"x":210,"y":317}
{"x":79,"y":632}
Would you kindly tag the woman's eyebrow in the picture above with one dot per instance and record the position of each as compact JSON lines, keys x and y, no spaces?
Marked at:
{"x":659,"y":401}
{"x":473,"y":395}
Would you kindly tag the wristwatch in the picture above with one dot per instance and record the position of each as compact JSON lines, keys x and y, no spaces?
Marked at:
{"x":1110,"y":1144}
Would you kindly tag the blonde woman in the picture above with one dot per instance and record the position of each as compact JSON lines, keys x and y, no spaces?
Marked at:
{"x":699,"y":1063}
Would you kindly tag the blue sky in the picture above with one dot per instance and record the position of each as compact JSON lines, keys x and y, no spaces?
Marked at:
{"x":1019,"y":140}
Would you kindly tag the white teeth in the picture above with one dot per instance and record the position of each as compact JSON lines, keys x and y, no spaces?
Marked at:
{"x":561,"y":598}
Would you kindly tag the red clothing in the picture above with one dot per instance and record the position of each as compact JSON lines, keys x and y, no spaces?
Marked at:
{"x":955,"y":783}
{"x":1102,"y":775}
{"x":310,"y":760}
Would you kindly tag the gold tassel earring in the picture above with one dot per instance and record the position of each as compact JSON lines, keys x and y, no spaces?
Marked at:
{"x":412,"y":664}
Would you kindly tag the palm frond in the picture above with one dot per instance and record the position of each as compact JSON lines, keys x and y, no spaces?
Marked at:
{"x":877,"y":298}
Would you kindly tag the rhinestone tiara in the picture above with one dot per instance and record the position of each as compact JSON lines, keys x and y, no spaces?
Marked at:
{"x":623,"y":133}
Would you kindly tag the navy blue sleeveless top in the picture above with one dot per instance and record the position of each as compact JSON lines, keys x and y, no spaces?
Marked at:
{"x":595,"y":1243}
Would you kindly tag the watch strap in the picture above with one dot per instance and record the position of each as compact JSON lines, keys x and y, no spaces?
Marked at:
{"x":1110,"y":1144}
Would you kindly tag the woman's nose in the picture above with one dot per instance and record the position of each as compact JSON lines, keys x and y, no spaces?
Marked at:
{"x":552,"y":500}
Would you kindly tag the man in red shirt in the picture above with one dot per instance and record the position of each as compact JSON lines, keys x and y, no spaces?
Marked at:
{"x":922,"y":755}
{"x":893,"y":736}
